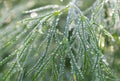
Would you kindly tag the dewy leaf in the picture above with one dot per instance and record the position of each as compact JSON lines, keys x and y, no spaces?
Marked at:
{"x":55,"y":43}
{"x":106,"y":32}
{"x":43,"y":8}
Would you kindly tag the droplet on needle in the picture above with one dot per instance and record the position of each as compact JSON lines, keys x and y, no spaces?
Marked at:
{"x":33,"y":14}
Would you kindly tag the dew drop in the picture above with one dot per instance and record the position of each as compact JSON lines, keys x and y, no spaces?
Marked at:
{"x":40,"y":31}
{"x":33,"y":14}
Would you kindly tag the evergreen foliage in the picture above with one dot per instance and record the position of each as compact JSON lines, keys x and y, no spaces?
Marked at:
{"x":57,"y":43}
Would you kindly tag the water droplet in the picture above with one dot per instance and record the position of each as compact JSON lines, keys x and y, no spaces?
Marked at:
{"x":33,"y":14}
{"x":40,"y":31}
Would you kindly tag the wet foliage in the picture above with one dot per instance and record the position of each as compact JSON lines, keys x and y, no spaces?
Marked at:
{"x":62,"y":40}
